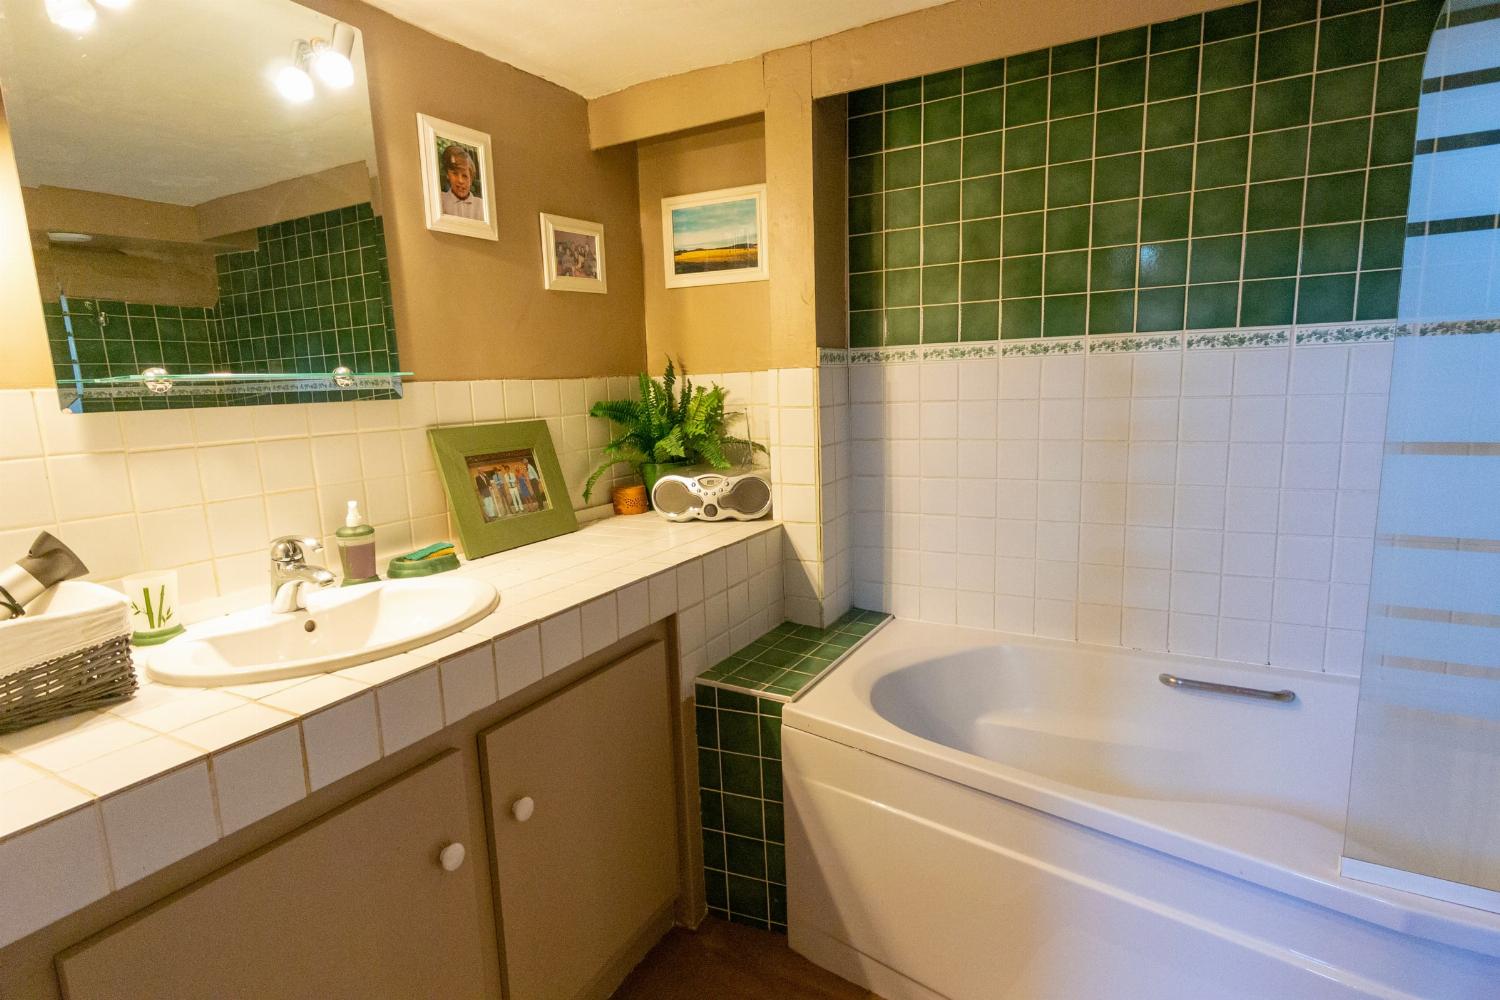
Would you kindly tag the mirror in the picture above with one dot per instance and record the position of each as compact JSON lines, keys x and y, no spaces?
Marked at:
{"x":200,"y":187}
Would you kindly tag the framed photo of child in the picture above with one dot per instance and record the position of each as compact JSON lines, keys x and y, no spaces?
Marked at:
{"x":457,"y":184}
{"x":504,"y":485}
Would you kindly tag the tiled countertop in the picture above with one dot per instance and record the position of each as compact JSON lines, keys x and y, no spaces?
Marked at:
{"x":95,"y":801}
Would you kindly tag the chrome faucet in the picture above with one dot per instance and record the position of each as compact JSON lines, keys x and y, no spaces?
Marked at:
{"x":290,"y":572}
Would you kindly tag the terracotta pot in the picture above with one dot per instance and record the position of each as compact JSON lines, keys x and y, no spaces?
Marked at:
{"x":630,"y":499}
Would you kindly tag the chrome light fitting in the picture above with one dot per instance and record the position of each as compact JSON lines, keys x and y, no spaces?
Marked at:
{"x":326,"y":58}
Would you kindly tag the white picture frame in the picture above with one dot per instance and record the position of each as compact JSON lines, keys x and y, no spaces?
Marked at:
{"x":716,"y":228}
{"x":478,"y":217}
{"x":566,"y":271}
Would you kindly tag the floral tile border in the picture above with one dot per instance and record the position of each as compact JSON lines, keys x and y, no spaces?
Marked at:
{"x":1135,"y":344}
{"x":960,"y":352}
{"x":832,"y":356}
{"x":1364,"y":333}
{"x":1332,"y":334}
{"x":1041,"y":347}
{"x":1450,"y":328}
{"x":1210,"y":340}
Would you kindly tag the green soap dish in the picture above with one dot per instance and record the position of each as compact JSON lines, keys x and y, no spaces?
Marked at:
{"x":402,"y":568}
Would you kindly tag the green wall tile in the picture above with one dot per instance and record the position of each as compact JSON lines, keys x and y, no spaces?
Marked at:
{"x":1118,"y":177}
{"x":1229,"y":63}
{"x":982,"y":154}
{"x":1068,"y":228}
{"x":941,"y":161}
{"x":1212,"y":306}
{"x":1172,"y":74}
{"x":1224,"y":113}
{"x":1154,"y":179}
{"x":980,"y":239}
{"x":940,"y":244}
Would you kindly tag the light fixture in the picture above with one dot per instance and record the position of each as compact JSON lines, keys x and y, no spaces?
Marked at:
{"x":292,"y":80}
{"x":330,"y":58}
{"x":113,"y":4}
{"x":72,"y":15}
{"x":56,"y":236}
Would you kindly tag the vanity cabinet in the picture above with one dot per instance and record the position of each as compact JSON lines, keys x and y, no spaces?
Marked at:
{"x":583,"y":814}
{"x":360,"y":903}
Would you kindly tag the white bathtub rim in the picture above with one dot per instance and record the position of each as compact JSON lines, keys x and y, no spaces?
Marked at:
{"x":1311,"y":873}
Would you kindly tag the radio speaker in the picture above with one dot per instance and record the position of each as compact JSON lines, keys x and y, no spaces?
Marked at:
{"x":707,"y":494}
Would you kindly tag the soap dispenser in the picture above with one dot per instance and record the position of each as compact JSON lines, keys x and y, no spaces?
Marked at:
{"x":356,"y":548}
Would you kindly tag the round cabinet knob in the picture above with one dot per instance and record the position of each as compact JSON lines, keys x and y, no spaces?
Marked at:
{"x":452,"y":857}
{"x":522,"y":808}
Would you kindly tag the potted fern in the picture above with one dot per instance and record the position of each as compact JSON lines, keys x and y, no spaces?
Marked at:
{"x":670,"y":424}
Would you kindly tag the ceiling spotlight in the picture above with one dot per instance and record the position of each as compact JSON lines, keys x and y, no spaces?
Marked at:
{"x":57,"y":236}
{"x":72,"y":15}
{"x":330,"y":59}
{"x":292,"y":80}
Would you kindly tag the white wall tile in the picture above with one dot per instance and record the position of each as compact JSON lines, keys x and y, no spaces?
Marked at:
{"x":562,"y":640}
{"x":340,"y":740}
{"x":600,"y":623}
{"x":155,"y":824}
{"x":259,"y":777}
{"x":51,"y":871}
{"x":410,"y":707}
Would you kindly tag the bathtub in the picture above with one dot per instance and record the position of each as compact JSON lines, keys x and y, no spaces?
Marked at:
{"x":976,"y":816}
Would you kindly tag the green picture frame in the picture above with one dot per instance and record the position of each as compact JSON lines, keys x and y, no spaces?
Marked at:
{"x":504,"y":486}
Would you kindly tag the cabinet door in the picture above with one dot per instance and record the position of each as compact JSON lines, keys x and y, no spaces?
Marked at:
{"x":596,"y":860}
{"x":356,"y":904}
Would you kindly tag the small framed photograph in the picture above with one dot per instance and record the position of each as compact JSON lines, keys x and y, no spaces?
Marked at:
{"x":715,"y":237}
{"x":572,"y":255}
{"x":458,"y":188}
{"x":504,"y":485}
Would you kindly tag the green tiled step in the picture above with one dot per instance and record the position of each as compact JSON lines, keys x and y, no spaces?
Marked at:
{"x":790,"y":657}
{"x":739,"y":704}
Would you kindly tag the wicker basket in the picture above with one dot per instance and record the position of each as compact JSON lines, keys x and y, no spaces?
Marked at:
{"x":91,"y":677}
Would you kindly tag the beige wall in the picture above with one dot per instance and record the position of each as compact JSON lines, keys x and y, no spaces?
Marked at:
{"x":23,"y":338}
{"x":925,"y":41}
{"x":167,"y":274}
{"x":709,"y":328}
{"x":324,"y":191}
{"x":470,"y":308}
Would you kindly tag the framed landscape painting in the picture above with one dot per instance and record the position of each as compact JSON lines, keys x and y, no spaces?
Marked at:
{"x":715,"y":237}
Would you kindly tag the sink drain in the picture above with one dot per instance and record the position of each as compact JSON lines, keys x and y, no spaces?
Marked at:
{"x":309,"y":626}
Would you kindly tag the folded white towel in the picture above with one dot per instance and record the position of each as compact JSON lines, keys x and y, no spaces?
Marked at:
{"x":71,"y":616}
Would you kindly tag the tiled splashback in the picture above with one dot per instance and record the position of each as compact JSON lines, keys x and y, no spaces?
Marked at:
{"x":1212,"y":495}
{"x":314,"y":294}
{"x":1244,"y":167}
{"x":203,"y":491}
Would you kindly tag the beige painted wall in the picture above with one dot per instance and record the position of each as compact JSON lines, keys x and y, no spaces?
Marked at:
{"x":23,"y":338}
{"x":470,"y":308}
{"x":925,"y":41}
{"x":706,"y":327}
{"x":168,"y":274}
{"x":465,"y":308}
{"x":324,"y":191}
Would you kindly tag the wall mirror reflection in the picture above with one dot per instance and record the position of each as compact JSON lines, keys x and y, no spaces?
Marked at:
{"x":203,"y":203}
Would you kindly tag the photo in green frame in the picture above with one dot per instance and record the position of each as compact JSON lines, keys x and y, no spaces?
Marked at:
{"x":504,"y":485}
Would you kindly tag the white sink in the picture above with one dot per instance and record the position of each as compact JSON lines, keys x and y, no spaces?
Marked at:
{"x":341,"y":627}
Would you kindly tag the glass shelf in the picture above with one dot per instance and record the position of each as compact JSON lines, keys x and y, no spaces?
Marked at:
{"x":155,"y":383}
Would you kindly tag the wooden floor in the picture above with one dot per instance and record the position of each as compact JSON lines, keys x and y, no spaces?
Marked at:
{"x":724,"y":961}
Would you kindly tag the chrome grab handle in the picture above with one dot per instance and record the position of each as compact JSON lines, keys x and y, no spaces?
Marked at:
{"x":1187,"y":684}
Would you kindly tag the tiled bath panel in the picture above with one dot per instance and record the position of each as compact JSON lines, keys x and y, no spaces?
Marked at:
{"x":1212,"y":499}
{"x":1247,"y":166}
{"x":739,"y":703}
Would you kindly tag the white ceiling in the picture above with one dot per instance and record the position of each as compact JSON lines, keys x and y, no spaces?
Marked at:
{"x":595,"y":47}
{"x":172,"y":100}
